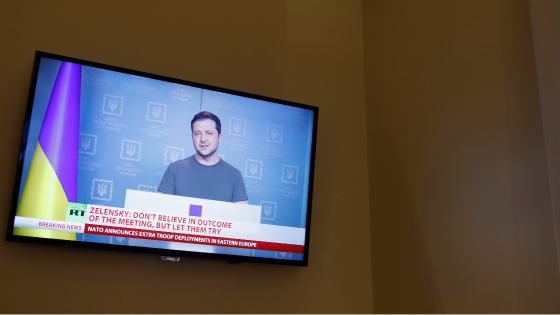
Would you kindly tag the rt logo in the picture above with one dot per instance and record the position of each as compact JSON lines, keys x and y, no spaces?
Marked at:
{"x":77,"y":213}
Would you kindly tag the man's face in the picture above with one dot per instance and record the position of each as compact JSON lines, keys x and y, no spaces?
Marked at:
{"x":205,"y":137}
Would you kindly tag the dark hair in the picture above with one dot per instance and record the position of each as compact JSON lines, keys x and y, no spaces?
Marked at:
{"x":207,"y":115}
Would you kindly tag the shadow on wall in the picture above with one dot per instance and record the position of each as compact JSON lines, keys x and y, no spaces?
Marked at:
{"x":402,"y":276}
{"x":536,"y":260}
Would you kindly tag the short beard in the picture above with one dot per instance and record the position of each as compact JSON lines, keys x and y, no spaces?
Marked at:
{"x":207,"y":155}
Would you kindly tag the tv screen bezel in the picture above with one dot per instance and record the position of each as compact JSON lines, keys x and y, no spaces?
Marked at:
{"x":163,"y":252}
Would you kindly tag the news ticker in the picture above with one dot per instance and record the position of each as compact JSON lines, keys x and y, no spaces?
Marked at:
{"x":154,"y":235}
{"x":182,"y":220}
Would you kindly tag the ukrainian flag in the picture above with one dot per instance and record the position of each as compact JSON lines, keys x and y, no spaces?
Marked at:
{"x":52,"y":181}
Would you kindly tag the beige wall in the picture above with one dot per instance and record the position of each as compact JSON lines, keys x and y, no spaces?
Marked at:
{"x":309,"y":52}
{"x":546,"y":37}
{"x":461,"y":215}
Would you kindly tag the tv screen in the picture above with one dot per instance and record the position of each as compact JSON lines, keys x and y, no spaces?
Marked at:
{"x":120,"y":159}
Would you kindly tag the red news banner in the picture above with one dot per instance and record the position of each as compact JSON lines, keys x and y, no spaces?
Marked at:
{"x":121,"y":222}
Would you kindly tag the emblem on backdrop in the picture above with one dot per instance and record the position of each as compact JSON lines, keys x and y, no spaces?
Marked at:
{"x":102,"y":189}
{"x":131,"y":150}
{"x":274,"y":133}
{"x":253,"y":168}
{"x":147,"y":188}
{"x":173,"y":154}
{"x":237,"y":127}
{"x":113,"y":105}
{"x":156,"y":112}
{"x":88,"y":143}
{"x":289,"y":174}
{"x":118,"y":239}
{"x":268,"y":210}
{"x":283,"y":255}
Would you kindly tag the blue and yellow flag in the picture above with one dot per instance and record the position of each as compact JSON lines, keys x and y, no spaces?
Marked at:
{"x":52,"y":181}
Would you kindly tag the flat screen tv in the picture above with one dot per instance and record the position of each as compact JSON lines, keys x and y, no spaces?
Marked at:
{"x":119,"y":159}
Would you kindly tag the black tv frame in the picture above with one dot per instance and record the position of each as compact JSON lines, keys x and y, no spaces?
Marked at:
{"x":163,"y":252}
